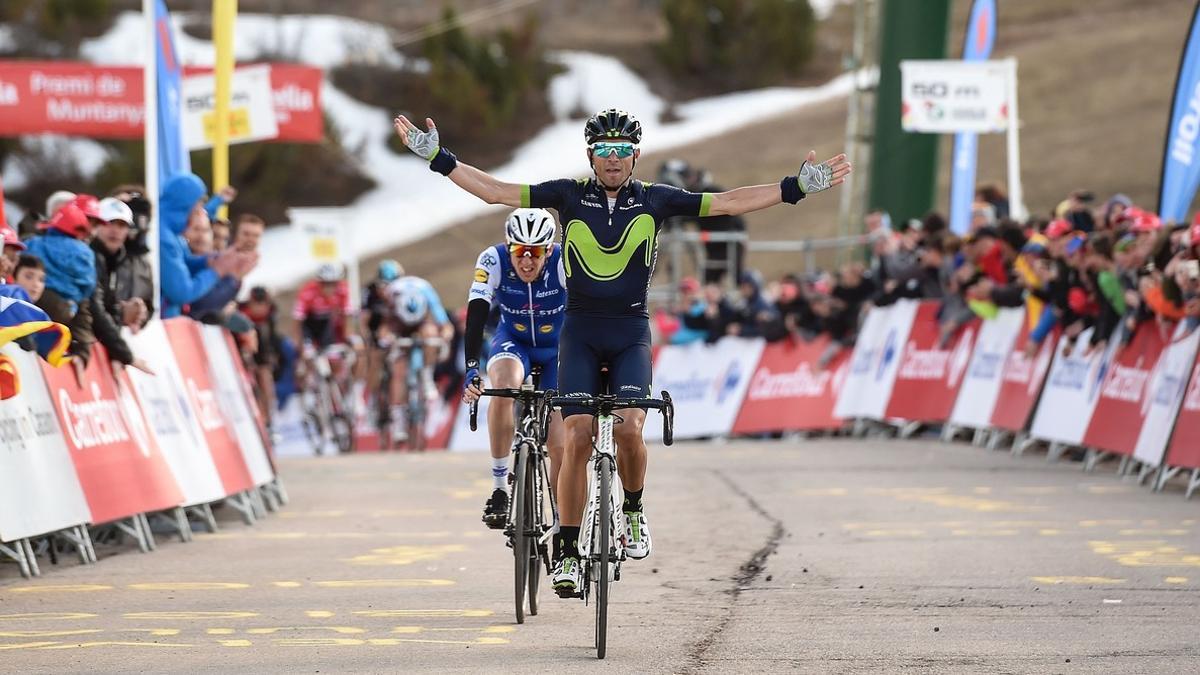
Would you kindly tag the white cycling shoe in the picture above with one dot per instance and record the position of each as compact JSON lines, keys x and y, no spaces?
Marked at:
{"x":637,"y":532}
{"x":567,"y":577}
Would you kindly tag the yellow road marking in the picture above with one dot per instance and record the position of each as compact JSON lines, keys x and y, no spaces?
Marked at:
{"x":384,"y":583}
{"x":403,"y":555}
{"x":1153,"y":533}
{"x":318,"y":642}
{"x":984,"y":533}
{"x":319,"y":613}
{"x":1153,"y":553}
{"x":982,"y":490}
{"x":1106,"y":489}
{"x":1077,"y":580}
{"x":27,"y":645}
{"x":287,"y":584}
{"x":423,"y":613}
{"x":343,"y":630}
{"x":220,"y":631}
{"x":153,"y":631}
{"x":1098,"y":523}
{"x":49,"y":633}
{"x":110,"y":643}
{"x":64,"y":616}
{"x":190,"y":615}
{"x":1049,"y":532}
{"x":968,"y":503}
{"x":235,"y":643}
{"x":62,"y":588}
{"x":476,"y":641}
{"x":1176,"y":580}
{"x":188,"y":586}
{"x":1038,"y":490}
{"x":895,"y":533}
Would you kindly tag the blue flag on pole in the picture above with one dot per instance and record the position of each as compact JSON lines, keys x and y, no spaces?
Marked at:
{"x":172,"y":153}
{"x":977,"y":46}
{"x":1181,"y":157}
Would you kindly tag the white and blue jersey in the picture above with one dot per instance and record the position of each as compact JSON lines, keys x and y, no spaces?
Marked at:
{"x":531,"y":314}
{"x":404,"y":288}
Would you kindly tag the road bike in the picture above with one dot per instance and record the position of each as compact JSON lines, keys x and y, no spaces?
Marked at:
{"x":603,"y":533}
{"x":528,"y":529}
{"x":412,"y":429}
{"x":328,"y":410}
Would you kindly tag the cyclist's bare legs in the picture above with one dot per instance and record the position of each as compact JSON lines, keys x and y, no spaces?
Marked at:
{"x":631,"y":448}
{"x":556,"y":440}
{"x":572,"y":478}
{"x":399,"y":382}
{"x":502,"y":374}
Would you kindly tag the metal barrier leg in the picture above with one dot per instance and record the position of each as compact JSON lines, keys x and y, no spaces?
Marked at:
{"x":948,"y":433}
{"x":1193,"y":483}
{"x":241,"y":503}
{"x":31,"y":557}
{"x":1165,"y":473}
{"x":1123,"y":467}
{"x":1092,"y":459}
{"x":256,"y":503}
{"x":205,"y":514}
{"x":280,"y":490}
{"x":147,"y":532}
{"x":269,"y":498}
{"x":181,"y":524}
{"x":1055,"y":451}
{"x":133,"y":528}
{"x":909,"y":429}
{"x":979,"y":440}
{"x":17,"y":554}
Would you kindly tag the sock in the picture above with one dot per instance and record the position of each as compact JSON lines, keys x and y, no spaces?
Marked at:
{"x":566,"y":542}
{"x":633,"y":500}
{"x":500,"y":474}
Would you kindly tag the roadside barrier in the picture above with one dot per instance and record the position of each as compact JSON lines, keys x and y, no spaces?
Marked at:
{"x":118,"y":447}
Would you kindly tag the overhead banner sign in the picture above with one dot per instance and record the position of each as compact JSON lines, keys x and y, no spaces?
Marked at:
{"x":81,"y":99}
{"x":945,"y":97}
{"x":1181,"y":157}
{"x":251,"y":108}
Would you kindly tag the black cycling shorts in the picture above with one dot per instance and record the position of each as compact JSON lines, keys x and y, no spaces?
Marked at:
{"x":587,"y":342}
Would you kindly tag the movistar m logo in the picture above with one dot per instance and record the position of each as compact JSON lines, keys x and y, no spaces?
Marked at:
{"x":607,"y":263}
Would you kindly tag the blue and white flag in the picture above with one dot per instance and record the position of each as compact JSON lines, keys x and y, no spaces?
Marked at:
{"x":977,"y":46}
{"x":173,"y":156}
{"x":1181,"y":157}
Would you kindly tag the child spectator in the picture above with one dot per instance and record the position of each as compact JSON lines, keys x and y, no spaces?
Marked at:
{"x":31,"y":276}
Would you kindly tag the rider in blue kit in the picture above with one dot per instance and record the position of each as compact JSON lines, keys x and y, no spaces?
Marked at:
{"x":610,"y":236}
{"x":524,"y":276}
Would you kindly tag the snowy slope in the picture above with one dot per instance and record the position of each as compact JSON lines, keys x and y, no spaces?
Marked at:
{"x":410,"y":201}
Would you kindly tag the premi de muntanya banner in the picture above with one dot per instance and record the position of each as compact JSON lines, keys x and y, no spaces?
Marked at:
{"x":121,"y":442}
{"x":1123,"y":398}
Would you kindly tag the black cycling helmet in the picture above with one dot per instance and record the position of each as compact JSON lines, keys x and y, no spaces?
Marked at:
{"x":612,"y":123}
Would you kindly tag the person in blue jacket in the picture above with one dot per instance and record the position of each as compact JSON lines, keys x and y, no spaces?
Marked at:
{"x":184,"y":277}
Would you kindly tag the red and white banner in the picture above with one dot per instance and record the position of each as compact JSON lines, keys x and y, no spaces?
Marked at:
{"x":184,"y":336}
{"x":39,"y":489}
{"x":1184,"y":450}
{"x":930,"y":374}
{"x":981,"y":384}
{"x":789,"y":391}
{"x":1125,"y":393}
{"x":81,"y":99}
{"x":164,"y":398}
{"x":1166,"y":390}
{"x":120,"y":466}
{"x":231,"y":398}
{"x":1071,"y":392}
{"x":876,"y":360}
{"x":1021,"y":382}
{"x":707,"y":384}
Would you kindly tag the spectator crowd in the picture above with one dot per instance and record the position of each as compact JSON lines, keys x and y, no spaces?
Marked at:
{"x":1086,"y":264}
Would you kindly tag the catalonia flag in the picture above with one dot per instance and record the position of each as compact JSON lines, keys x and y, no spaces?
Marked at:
{"x":20,"y":318}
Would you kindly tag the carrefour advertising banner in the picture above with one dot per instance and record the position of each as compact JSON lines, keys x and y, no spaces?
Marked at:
{"x":1181,"y":159}
{"x":707,"y":384}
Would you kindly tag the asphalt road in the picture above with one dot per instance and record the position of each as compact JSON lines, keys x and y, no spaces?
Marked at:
{"x":814,"y":556}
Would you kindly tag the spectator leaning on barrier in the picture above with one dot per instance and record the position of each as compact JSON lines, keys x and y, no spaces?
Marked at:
{"x":116,"y":269}
{"x":184,"y":277}
{"x":690,"y":311}
{"x":70,"y":272}
{"x":107,"y":315}
{"x":751,"y":311}
{"x":13,"y":248}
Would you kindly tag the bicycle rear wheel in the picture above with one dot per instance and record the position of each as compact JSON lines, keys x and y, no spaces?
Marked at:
{"x":603,"y":555}
{"x":521,"y":542}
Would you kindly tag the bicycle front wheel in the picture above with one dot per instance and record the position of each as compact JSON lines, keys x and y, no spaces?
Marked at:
{"x":532,"y":521}
{"x":603,"y":555}
{"x":520,"y":538}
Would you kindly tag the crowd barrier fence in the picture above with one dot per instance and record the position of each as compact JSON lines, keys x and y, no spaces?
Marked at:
{"x":120,"y":446}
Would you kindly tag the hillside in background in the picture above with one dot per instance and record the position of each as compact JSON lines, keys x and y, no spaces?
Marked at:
{"x":1095,"y":86}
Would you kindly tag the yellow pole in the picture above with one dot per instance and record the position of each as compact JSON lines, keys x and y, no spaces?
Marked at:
{"x":224,"y":15}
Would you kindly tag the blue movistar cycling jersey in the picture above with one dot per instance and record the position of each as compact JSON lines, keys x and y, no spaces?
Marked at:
{"x":610,"y":246}
{"x":530,"y":313}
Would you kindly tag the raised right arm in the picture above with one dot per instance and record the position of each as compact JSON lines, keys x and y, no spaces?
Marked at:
{"x":486,"y":186}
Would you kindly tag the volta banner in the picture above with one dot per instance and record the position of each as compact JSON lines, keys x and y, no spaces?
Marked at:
{"x":1125,"y":395}
{"x":789,"y":391}
{"x":1181,"y":165}
{"x":707,"y":384}
{"x":184,"y":336}
{"x":978,"y":41}
{"x":1072,"y":390}
{"x":176,"y":428}
{"x":875,"y":361}
{"x":120,"y":467}
{"x":39,"y":489}
{"x":1021,"y":382}
{"x":930,"y":373}
{"x":81,"y":99}
{"x":1166,"y":389}
{"x":1184,"y":450}
{"x":985,"y":372}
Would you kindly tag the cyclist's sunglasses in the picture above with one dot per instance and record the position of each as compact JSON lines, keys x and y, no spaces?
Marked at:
{"x":535,"y":252}
{"x":622,"y":149}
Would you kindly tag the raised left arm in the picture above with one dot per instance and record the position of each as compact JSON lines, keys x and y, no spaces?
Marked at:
{"x":810,"y":179}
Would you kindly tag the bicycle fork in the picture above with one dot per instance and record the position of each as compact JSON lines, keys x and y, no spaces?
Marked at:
{"x":604,"y":453}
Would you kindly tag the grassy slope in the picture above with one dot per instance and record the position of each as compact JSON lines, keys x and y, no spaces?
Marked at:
{"x":1094,"y":90}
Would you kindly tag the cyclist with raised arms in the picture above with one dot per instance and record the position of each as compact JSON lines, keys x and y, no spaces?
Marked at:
{"x":610,"y":228}
{"x":416,"y":312}
{"x":525,"y":277}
